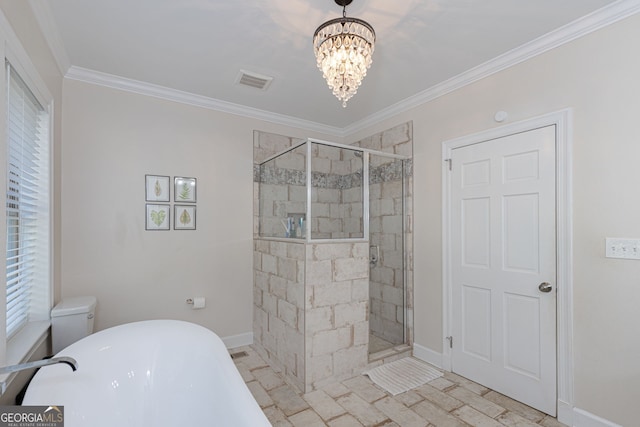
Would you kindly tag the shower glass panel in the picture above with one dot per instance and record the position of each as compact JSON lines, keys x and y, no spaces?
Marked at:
{"x":387,"y":256}
{"x":328,"y":203}
{"x":337,"y":192}
{"x":283,"y":194}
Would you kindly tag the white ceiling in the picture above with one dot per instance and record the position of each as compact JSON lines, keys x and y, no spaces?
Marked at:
{"x":200,"y":46}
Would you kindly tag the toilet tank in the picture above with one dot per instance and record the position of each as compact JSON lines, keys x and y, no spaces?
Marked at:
{"x":71,"y":320}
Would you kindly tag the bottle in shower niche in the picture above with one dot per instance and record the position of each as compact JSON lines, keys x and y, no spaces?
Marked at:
{"x":301,"y":228}
{"x":292,"y":227}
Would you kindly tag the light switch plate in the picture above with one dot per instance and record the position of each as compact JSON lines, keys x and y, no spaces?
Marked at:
{"x":622,"y":248}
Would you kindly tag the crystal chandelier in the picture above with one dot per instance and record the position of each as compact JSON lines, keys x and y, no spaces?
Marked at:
{"x":343,"y":48}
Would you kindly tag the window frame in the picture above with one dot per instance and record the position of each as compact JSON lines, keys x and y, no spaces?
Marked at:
{"x":28,"y":205}
{"x":29,"y":339}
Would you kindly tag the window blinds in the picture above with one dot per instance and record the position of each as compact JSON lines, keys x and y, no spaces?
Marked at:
{"x":27,"y":203}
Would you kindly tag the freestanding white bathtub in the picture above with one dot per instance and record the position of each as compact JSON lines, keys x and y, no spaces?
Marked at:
{"x":156,"y":373}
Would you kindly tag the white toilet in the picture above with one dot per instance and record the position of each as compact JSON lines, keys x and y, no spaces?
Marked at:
{"x":71,"y":320}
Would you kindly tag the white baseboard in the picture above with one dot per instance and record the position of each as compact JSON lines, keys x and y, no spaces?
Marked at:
{"x":427,"y":355}
{"x":240,"y":340}
{"x":576,"y":417}
{"x":583,"y":418}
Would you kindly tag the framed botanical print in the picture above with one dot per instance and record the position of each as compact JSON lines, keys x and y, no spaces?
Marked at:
{"x":184,"y":217}
{"x":157,"y":217}
{"x":157,"y":188}
{"x":184,"y":189}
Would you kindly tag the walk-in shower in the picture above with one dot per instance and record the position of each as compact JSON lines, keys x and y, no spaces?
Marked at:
{"x":330,"y":258}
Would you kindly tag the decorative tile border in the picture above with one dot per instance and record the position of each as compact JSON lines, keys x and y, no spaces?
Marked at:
{"x":282,"y":176}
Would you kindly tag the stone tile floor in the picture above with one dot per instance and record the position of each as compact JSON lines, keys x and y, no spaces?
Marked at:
{"x":449,"y":401}
{"x":377,"y":344}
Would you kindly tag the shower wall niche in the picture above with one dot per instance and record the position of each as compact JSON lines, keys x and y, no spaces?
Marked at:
{"x":313,"y":232}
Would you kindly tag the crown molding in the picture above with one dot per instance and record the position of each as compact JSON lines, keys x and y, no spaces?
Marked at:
{"x":580,"y":27}
{"x":47,"y":24}
{"x":585,"y":25}
{"x":156,"y":91}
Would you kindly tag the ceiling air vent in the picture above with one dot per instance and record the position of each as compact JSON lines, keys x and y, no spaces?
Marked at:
{"x":254,"y":80}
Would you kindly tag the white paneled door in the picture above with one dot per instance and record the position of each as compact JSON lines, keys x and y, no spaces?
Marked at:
{"x":503,"y":270}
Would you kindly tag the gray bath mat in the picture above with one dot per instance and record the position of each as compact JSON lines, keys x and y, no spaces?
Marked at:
{"x":403,"y":375}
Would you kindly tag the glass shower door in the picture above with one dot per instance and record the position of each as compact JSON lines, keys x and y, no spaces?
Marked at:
{"x":387,"y":321}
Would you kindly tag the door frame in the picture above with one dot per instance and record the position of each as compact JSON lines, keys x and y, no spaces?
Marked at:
{"x":564,"y":247}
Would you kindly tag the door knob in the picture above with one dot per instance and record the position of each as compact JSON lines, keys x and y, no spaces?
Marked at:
{"x":545,"y":287}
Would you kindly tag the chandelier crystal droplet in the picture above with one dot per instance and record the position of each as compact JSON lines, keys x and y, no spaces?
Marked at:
{"x":343,"y":49}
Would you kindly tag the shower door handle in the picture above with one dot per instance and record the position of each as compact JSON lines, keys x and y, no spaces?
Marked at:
{"x":374,"y":255}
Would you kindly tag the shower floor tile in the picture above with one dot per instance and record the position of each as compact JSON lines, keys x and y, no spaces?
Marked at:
{"x":377,"y":344}
{"x":443,"y":401}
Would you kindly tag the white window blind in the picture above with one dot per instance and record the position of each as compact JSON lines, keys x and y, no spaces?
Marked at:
{"x":27,"y":201}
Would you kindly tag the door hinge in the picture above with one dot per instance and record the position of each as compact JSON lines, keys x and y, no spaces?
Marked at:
{"x":450,"y":162}
{"x":450,"y":339}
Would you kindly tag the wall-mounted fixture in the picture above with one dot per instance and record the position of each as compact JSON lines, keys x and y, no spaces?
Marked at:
{"x":501,"y":116}
{"x":343,"y":49}
{"x":374,"y":255}
{"x":197,"y":302}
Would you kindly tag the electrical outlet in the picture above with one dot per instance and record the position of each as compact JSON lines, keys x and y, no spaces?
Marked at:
{"x":622,"y":248}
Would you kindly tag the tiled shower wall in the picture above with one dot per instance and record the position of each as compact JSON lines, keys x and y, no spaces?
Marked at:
{"x":311,"y":309}
{"x":336,"y":316}
{"x":279,"y":306}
